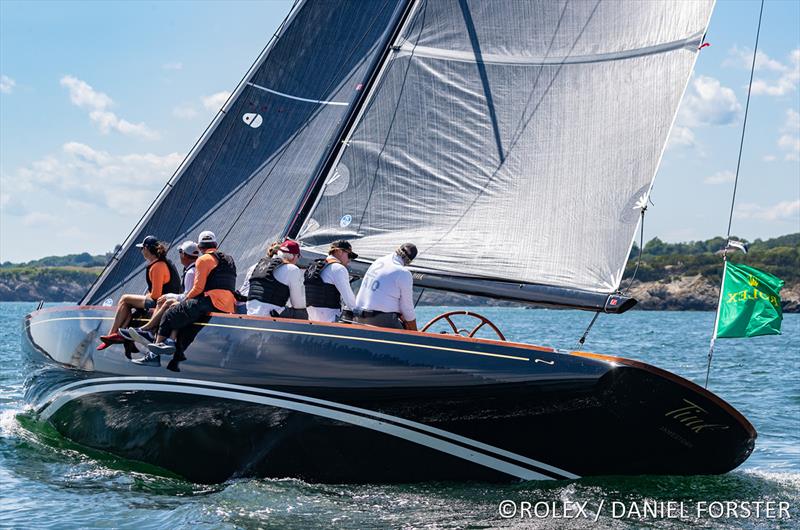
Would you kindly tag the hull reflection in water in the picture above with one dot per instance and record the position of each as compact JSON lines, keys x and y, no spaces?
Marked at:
{"x":268,"y":397}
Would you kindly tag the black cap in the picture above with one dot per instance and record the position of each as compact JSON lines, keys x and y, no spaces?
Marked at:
{"x":346,"y":246}
{"x":149,"y":242}
{"x":407,"y":251}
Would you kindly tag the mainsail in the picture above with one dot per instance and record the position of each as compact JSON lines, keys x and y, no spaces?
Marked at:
{"x":249,"y":172}
{"x":514,"y":141}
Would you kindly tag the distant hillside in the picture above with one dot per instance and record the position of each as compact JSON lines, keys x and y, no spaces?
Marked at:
{"x":672,"y":276}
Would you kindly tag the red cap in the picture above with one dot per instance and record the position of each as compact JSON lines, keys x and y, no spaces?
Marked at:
{"x":292,"y":247}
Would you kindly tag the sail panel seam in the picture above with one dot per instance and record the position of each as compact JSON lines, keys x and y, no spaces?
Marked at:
{"x":429,"y":52}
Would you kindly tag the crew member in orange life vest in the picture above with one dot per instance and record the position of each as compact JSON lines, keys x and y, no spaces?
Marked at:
{"x":328,"y":284}
{"x":162,"y":277}
{"x":214,"y":285}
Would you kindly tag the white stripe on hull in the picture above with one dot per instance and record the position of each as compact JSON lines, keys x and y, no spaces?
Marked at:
{"x":317,"y":407}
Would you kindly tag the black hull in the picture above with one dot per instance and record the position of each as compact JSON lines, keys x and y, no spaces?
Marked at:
{"x":335,"y":403}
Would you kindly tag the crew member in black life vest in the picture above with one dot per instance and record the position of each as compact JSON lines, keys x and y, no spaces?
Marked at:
{"x":274,"y":281}
{"x":188,"y":252}
{"x":214,"y":284}
{"x":328,"y":284}
{"x":161,"y":277}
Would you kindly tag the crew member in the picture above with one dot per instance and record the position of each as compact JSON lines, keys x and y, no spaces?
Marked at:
{"x":328,"y":284}
{"x":275,"y":280}
{"x":188,"y":252}
{"x":386,"y":294}
{"x":161,"y":277}
{"x":214,"y":285}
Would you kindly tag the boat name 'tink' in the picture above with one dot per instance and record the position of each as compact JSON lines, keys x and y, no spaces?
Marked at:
{"x":690,"y":417}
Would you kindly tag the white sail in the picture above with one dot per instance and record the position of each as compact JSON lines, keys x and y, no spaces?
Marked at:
{"x":515,"y":140}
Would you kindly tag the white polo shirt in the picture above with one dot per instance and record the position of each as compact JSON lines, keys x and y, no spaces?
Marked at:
{"x":387,"y":286}
{"x":335,"y":274}
{"x":287,"y":274}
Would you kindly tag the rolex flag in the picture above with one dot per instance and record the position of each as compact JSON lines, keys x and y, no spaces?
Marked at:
{"x":750,"y":304}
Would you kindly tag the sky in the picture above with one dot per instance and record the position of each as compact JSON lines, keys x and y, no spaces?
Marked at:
{"x":100,"y":102}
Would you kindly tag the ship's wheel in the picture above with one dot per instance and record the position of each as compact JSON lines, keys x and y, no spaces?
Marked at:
{"x":463,"y":331}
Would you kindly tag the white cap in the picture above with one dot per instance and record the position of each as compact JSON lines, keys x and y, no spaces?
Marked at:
{"x":189,"y":248}
{"x":206,"y":238}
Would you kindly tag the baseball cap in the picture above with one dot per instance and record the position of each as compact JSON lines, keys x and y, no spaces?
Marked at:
{"x":407,"y":251}
{"x":189,"y":248}
{"x":207,"y":239}
{"x":346,"y":246}
{"x":292,"y":247}
{"x":148,"y":242}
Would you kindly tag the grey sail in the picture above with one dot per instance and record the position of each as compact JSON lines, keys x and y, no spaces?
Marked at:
{"x":514,"y":141}
{"x":250,"y":171}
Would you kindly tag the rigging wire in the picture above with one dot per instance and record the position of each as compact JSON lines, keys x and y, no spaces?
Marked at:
{"x":582,"y":340}
{"x":733,"y":197}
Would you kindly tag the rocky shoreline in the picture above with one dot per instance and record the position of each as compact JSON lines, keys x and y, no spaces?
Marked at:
{"x":681,"y":293}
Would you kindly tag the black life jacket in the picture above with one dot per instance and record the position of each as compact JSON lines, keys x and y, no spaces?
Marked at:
{"x":263,"y":285}
{"x":174,"y":283}
{"x":319,"y":293}
{"x":183,"y":275}
{"x":223,"y":276}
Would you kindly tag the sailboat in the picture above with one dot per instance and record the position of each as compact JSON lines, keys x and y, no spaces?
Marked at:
{"x":515,"y":143}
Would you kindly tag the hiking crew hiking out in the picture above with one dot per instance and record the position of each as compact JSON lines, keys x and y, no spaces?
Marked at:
{"x":214,"y":285}
{"x":162,"y":278}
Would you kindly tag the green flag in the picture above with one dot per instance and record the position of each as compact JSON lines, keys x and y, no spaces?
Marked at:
{"x":750,"y":304}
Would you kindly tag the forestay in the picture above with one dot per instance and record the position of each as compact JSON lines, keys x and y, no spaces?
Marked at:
{"x":514,"y":140}
{"x":249,"y":172}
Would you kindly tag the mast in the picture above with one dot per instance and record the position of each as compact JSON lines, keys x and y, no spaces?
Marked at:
{"x":317,"y":184}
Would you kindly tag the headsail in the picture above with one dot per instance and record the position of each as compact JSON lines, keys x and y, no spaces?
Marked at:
{"x":248,"y":173}
{"x":514,"y":140}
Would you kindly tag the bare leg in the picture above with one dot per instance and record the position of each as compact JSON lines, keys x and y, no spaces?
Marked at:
{"x":124,"y":307}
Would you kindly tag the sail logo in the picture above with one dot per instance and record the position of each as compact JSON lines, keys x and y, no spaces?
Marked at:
{"x":746,"y":294}
{"x":345,"y":220}
{"x":691,"y":416}
{"x":253,"y":120}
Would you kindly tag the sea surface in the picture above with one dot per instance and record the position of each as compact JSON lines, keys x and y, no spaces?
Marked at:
{"x":47,"y":482}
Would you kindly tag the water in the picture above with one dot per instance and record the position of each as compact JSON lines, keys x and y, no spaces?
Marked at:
{"x":46,"y":481}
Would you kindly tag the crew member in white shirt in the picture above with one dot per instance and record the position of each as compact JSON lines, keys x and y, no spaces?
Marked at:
{"x":328,"y":284}
{"x":386,"y":295}
{"x":274,"y":281}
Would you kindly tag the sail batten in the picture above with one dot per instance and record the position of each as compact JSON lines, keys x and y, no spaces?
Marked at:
{"x":515,"y":140}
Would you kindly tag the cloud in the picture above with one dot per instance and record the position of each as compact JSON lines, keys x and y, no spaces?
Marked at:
{"x":681,"y":136}
{"x":215,"y":101}
{"x":743,"y":58}
{"x":785,"y":83}
{"x":186,"y":112}
{"x":783,"y":211}
{"x":789,"y":141}
{"x":769,"y":158}
{"x":79,"y":174}
{"x":708,"y":102}
{"x":172,"y":66}
{"x":7,"y":84}
{"x":40,"y":219}
{"x":84,"y":96}
{"x":720,"y":177}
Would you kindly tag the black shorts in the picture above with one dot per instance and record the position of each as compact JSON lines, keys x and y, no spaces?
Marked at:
{"x":149,"y":303}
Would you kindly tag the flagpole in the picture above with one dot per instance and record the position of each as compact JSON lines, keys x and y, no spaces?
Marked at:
{"x":735,"y":186}
{"x":716,"y":319}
